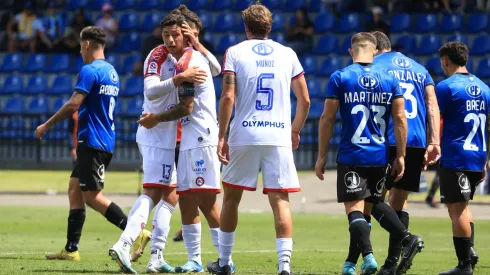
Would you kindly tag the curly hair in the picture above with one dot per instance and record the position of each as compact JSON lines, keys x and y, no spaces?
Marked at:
{"x":190,"y":17}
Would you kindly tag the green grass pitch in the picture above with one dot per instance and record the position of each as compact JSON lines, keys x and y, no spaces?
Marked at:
{"x":320,"y":243}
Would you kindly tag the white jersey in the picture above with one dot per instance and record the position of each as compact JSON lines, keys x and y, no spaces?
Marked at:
{"x":264,"y":70}
{"x":159,"y":64}
{"x":200,"y":128}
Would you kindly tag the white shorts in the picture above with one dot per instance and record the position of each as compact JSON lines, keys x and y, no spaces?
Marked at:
{"x":277,"y":165}
{"x":198,"y":170}
{"x":158,"y":167}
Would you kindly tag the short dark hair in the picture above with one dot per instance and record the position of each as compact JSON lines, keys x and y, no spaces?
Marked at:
{"x":94,"y":34}
{"x":382,"y":41}
{"x":362,"y":37}
{"x":189,"y":16}
{"x":456,"y":51}
{"x":172,"y":19}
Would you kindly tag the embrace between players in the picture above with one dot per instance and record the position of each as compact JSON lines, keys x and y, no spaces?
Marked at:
{"x":383,"y":108}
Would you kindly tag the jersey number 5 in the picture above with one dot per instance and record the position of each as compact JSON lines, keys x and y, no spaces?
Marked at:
{"x":407,"y":94}
{"x":112,"y":107}
{"x":479,"y":121}
{"x":262,"y":90}
{"x":378,"y":111}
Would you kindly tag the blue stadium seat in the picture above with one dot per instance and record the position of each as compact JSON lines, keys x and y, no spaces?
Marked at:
{"x":278,"y":22}
{"x":400,"y":22}
{"x":115,"y":60}
{"x":134,"y":106}
{"x":119,"y":107}
{"x":450,"y":23}
{"x":14,"y":105}
{"x":225,"y":22}
{"x":12,"y":62}
{"x":62,"y":85}
{"x":149,"y":5}
{"x":171,"y":4}
{"x":76,"y":65}
{"x":469,"y":65}
{"x":125,"y":4}
{"x":293,"y":5}
{"x":330,"y":65}
{"x":481,"y":45}
{"x":59,"y":63}
{"x":429,"y":44}
{"x":77,"y":4}
{"x":128,"y":64}
{"x":350,"y":22}
{"x":279,"y":37}
{"x":272,"y":4}
{"x":309,"y":64}
{"x":434,"y":64}
{"x":35,"y":63}
{"x":344,"y":47}
{"x":483,"y":69}
{"x":129,"y":21}
{"x":327,"y":43}
{"x":219,"y":5}
{"x":407,"y":42}
{"x":14,"y":83}
{"x":477,"y":22}
{"x":133,"y":87}
{"x":315,"y":88}
{"x":316,"y":109}
{"x":130,"y":42}
{"x":458,"y":37}
{"x":324,"y":22}
{"x":59,"y":131}
{"x":195,"y":5}
{"x":58,"y":103}
{"x":242,"y":4}
{"x":37,"y":84}
{"x":14,"y":128}
{"x":150,"y":21}
{"x":206,"y":19}
{"x":425,"y":23}
{"x":38,"y":105}
{"x":97,"y":4}
{"x":226,"y":41}
{"x":218,"y":86}
{"x":315,"y":5}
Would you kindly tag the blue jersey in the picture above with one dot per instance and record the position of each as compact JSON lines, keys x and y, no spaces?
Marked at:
{"x":413,"y":79}
{"x":100,"y":81}
{"x":365,"y":94}
{"x":463,"y":100}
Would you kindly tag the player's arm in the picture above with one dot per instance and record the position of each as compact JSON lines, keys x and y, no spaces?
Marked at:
{"x":226,"y":103}
{"x":399,"y":125}
{"x":154,"y":88}
{"x":433,"y":151}
{"x":68,"y":109}
{"x":302,"y":106}
{"x":214,"y":65}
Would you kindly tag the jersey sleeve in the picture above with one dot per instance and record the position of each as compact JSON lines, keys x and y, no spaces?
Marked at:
{"x":333,"y":86}
{"x":428,"y":79}
{"x":187,"y":59}
{"x":155,"y":61}
{"x":297,"y":68}
{"x":228,"y":62}
{"x":443,"y":95}
{"x":86,"y":79}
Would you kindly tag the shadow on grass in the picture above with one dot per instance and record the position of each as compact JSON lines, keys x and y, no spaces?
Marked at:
{"x":67,"y":271}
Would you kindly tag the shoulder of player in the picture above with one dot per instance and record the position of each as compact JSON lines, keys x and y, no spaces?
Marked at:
{"x":158,"y":54}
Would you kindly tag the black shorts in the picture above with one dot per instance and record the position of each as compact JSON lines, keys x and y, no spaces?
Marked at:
{"x":177,"y":151}
{"x":414,"y":163}
{"x":357,"y":183}
{"x":458,"y":186}
{"x":90,"y":168}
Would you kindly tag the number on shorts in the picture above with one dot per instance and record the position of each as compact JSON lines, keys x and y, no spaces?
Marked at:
{"x":112,"y":107}
{"x":167,"y":170}
{"x":262,"y":90}
{"x":479,"y":121}
{"x":378,"y":111}
{"x":407,"y":94}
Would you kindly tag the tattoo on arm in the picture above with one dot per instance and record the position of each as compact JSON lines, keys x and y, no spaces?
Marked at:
{"x":229,"y":79}
{"x":182,"y":109}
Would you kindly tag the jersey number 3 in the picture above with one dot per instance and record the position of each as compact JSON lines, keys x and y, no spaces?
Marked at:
{"x":262,"y":90}
{"x":407,"y":94}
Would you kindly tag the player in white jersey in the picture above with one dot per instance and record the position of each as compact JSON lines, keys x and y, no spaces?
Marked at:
{"x":258,"y":76}
{"x":198,"y":169}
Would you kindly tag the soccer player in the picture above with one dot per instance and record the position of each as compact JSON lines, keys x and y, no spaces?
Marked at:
{"x":417,"y":87}
{"x":464,"y":101}
{"x":95,"y":98}
{"x":258,"y":75}
{"x":367,"y":96}
{"x":198,"y":169}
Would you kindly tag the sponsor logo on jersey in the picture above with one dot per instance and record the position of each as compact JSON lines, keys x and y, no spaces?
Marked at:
{"x":199,"y":181}
{"x":263,"y":49}
{"x":199,"y":168}
{"x":114,"y":76}
{"x":473,"y":90}
{"x":170,"y":106}
{"x":352,"y":182}
{"x":262,"y":123}
{"x":152,"y":68}
{"x":464,"y":183}
{"x":401,"y":62}
{"x":185,"y":121}
{"x":368,"y":81}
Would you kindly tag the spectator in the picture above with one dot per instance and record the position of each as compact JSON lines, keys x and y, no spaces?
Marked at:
{"x":71,"y":39}
{"x":53,"y":25}
{"x":300,"y":34}
{"x":109,"y":24}
{"x":449,"y":4}
{"x":377,"y":23}
{"x":483,"y":5}
{"x":343,"y":6}
{"x":23,"y":30}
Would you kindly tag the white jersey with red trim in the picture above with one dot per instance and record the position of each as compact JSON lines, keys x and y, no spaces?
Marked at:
{"x":159,"y":64}
{"x":200,"y":128}
{"x":264,"y":70}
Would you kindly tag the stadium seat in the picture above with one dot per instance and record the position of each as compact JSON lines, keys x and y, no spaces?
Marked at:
{"x":434,"y":65}
{"x":148,"y":5}
{"x":349,"y":22}
{"x":150,"y":21}
{"x":125,"y":4}
{"x":119,"y":106}
{"x":115,"y":60}
{"x":206,"y":19}
{"x":38,"y":105}
{"x":225,"y":22}
{"x":12,"y":62}
{"x":469,"y":65}
{"x":344,"y":47}
{"x":59,"y":131}
{"x":76,"y":65}
{"x":59,"y":63}
{"x":195,"y":5}
{"x":14,"y":83}
{"x":77,"y":4}
{"x":450,"y":23}
{"x":429,"y":44}
{"x":35,"y":63}
{"x":293,"y":5}
{"x":169,"y":5}
{"x":458,"y":37}
{"x":425,"y":23}
{"x":279,"y":37}
{"x":226,"y":41}
{"x":62,"y":85}
{"x":220,"y":5}
{"x":96,"y":5}
{"x":133,"y":87}
{"x":14,"y":105}
{"x":130,"y":42}
{"x":278,"y":22}
{"x":407,"y":42}
{"x":315,"y":5}
{"x":14,"y":128}
{"x":400,"y":22}
{"x":218,"y":86}
{"x":483,"y":70}
{"x":37,"y":84}
{"x":481,"y":45}
{"x":128,"y":64}
{"x":324,"y":22}
{"x":330,"y":65}
{"x":134,"y":106}
{"x":58,"y":103}
{"x":327,"y":43}
{"x":316,"y":109}
{"x":309,"y":64}
{"x":315,"y":88}
{"x":242,"y":4}
{"x":272,"y":4}
{"x":129,"y":21}
{"x":477,"y":22}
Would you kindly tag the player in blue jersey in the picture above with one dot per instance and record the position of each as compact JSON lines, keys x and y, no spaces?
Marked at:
{"x":95,"y":98}
{"x":464,"y":101}
{"x":420,"y":102}
{"x":367,"y":96}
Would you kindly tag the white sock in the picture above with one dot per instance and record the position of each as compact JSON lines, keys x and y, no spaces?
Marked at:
{"x":137,"y":219}
{"x":284,"y":247}
{"x":192,"y":241}
{"x":215,"y":237}
{"x":226,"y":242}
{"x":161,"y":225}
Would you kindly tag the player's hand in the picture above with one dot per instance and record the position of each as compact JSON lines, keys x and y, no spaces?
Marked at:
{"x":40,"y":131}
{"x":432,"y":155}
{"x":73,"y":153}
{"x":295,"y":139}
{"x":148,"y":120}
{"x":194,"y":75}
{"x":398,"y":168}
{"x":320,"y":167}
{"x":223,"y":151}
{"x":193,"y":40}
